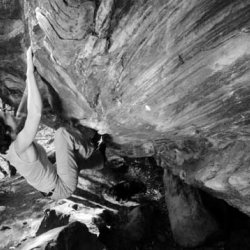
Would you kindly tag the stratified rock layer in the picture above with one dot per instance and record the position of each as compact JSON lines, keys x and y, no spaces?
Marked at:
{"x":12,"y":51}
{"x":144,"y":71}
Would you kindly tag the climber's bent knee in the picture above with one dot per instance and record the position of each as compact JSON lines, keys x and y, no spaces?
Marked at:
{"x":63,"y":191}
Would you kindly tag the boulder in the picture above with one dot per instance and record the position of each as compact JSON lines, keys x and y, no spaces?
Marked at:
{"x":219,"y":168}
{"x":75,"y":236}
{"x":139,"y":227}
{"x":128,"y":230}
{"x":190,"y":222}
{"x":51,"y":220}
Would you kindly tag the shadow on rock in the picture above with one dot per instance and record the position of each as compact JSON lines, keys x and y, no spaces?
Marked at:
{"x":75,"y":236}
{"x":130,"y":229}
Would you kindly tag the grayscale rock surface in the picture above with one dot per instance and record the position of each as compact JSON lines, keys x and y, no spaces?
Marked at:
{"x":164,"y":79}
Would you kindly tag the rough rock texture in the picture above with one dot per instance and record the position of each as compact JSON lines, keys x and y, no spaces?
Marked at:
{"x":51,"y":220}
{"x":133,"y":232}
{"x":143,"y":69}
{"x":190,"y":222}
{"x":172,"y":74}
{"x":221,"y":169}
{"x":75,"y":236}
{"x":12,"y":51}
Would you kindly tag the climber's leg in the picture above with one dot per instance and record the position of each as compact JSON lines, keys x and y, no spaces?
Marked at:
{"x":67,"y":149}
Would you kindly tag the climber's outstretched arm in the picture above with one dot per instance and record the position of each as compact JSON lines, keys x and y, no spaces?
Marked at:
{"x":22,"y":108}
{"x":34,"y":109}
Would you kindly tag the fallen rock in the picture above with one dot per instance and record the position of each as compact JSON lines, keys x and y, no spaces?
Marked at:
{"x":220,"y":168}
{"x":75,"y":236}
{"x":140,"y":222}
{"x":191,"y":223}
{"x":51,"y":220}
{"x":129,"y":229}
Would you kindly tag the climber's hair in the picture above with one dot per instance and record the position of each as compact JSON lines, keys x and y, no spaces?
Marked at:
{"x":5,"y":138}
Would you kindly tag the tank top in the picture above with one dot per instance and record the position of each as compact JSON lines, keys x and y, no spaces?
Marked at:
{"x":41,"y":174}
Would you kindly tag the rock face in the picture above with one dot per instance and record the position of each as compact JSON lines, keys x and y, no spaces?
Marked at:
{"x":171,"y":74}
{"x":12,"y":50}
{"x":190,"y":222}
{"x":145,"y":68}
{"x":51,"y":220}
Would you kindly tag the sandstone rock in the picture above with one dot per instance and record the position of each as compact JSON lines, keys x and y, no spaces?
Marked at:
{"x":12,"y":42}
{"x":100,"y":77}
{"x":190,"y":222}
{"x":103,"y":17}
{"x":75,"y":236}
{"x":219,"y":168}
{"x":139,"y":225}
{"x":51,"y":220}
{"x":132,"y":232}
{"x":143,"y":72}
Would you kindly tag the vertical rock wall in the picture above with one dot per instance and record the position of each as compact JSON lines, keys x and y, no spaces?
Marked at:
{"x":12,"y":51}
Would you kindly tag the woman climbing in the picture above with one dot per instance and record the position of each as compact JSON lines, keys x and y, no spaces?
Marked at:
{"x":30,"y":158}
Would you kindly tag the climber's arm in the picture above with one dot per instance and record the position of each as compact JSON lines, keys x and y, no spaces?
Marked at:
{"x":34,"y":109}
{"x":22,"y":108}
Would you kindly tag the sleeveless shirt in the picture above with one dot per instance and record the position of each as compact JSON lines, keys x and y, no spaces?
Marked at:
{"x":41,"y":174}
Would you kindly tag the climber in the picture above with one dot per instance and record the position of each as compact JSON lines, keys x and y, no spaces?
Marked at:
{"x":30,"y":158}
